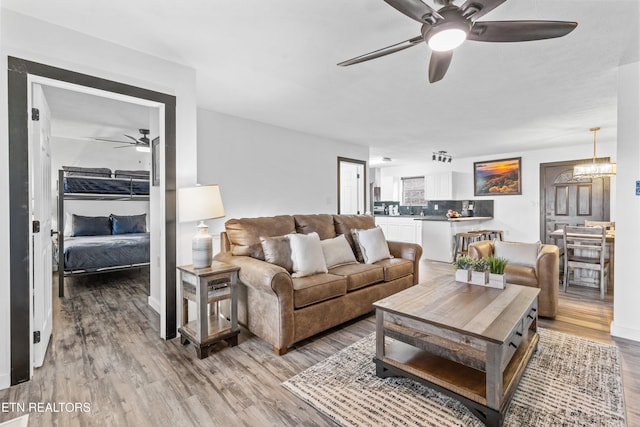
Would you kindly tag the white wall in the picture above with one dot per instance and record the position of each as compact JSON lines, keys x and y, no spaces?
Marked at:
{"x":519,"y":215}
{"x":39,"y":41}
{"x":627,"y":292}
{"x":265,"y":170}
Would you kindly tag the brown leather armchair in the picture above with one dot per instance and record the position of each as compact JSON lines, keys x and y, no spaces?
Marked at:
{"x":545,"y":274}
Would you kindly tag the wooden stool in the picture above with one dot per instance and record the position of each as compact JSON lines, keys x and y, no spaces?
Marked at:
{"x":491,"y":234}
{"x":462,"y":240}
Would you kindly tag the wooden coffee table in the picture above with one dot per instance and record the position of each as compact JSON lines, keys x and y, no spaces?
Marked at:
{"x":467,"y":341}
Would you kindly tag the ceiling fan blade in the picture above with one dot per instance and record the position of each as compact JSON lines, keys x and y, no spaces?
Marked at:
{"x":439,"y":64}
{"x":110,"y":140}
{"x":474,"y":9}
{"x":382,"y":52}
{"x":125,"y":146}
{"x":415,"y":9}
{"x":135,"y":140}
{"x":519,"y":31}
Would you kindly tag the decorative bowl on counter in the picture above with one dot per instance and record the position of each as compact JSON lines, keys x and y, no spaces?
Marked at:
{"x":453,"y":214}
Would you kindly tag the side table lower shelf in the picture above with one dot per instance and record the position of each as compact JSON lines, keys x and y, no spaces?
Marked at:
{"x":219,"y":329}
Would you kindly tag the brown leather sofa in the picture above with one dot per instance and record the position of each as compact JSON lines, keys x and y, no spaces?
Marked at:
{"x":283,"y":309}
{"x":545,"y":275}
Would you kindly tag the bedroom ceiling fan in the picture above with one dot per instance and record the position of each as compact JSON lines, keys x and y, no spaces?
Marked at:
{"x":141,"y":144}
{"x":447,"y":28}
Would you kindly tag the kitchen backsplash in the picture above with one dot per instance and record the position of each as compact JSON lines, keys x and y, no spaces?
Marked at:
{"x":480,"y":208}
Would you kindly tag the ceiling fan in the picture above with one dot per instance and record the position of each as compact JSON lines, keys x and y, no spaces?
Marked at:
{"x":447,"y":28}
{"x":141,"y":144}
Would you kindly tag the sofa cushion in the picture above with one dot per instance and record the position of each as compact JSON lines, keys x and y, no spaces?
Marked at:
{"x":521,"y":275}
{"x":373,"y":245}
{"x":321,"y":224}
{"x":319,"y":287}
{"x":244,"y":233}
{"x":359,"y":275}
{"x":306,"y":254}
{"x":395,"y":268}
{"x":277,"y":250}
{"x":345,"y":223}
{"x":518,"y":253}
{"x":337,"y":251}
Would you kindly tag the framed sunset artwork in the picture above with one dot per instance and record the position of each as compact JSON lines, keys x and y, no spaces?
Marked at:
{"x":497,"y":177}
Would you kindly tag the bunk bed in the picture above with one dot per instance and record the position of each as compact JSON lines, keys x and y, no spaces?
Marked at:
{"x":98,"y":244}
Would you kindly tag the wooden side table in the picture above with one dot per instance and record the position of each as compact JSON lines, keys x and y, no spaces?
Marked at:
{"x":209,"y":286}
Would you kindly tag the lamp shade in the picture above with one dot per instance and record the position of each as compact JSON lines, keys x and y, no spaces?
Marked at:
{"x":199,"y":203}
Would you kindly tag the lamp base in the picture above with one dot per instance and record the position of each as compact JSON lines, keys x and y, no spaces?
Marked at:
{"x":202,"y":247}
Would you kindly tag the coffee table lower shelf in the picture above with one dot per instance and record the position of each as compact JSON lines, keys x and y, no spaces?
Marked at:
{"x":465,"y":384}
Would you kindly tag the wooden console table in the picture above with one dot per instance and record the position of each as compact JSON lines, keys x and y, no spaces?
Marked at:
{"x":467,"y":341}
{"x":209,"y":286}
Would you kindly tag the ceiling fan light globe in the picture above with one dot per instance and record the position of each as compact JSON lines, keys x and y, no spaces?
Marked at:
{"x":143,"y":149}
{"x":446,"y":39}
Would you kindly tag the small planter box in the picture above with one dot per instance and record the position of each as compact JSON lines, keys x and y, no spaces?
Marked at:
{"x":463,"y":276}
{"x":479,"y":278}
{"x":497,"y":281}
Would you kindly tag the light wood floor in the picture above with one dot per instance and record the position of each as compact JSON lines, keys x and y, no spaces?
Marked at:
{"x":105,"y":351}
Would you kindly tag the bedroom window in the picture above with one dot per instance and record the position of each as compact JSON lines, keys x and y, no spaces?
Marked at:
{"x":413,"y":191}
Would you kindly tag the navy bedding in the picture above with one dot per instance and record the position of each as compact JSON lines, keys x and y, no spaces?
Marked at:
{"x":91,"y":253}
{"x":83,"y":184}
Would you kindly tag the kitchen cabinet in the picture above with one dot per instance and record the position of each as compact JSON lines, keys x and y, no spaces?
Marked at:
{"x":438,"y":186}
{"x":401,"y":229}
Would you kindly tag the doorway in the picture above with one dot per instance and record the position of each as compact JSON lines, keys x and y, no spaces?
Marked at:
{"x":352,"y":186}
{"x":19,"y":73}
{"x":566,"y":200}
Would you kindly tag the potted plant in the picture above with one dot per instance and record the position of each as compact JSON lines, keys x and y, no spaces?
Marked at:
{"x":480,"y":272}
{"x":463,"y":267}
{"x":496,"y":271}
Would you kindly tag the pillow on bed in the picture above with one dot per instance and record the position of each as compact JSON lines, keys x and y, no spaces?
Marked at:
{"x":90,"y":225}
{"x":78,"y":171}
{"x":141,"y":174}
{"x":126,"y":224}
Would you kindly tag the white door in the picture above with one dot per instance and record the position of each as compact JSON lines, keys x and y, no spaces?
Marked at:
{"x":352,"y":187}
{"x":41,"y":250}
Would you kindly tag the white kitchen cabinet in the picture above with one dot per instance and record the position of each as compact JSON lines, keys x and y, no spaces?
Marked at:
{"x":400,"y":229}
{"x":438,"y":186}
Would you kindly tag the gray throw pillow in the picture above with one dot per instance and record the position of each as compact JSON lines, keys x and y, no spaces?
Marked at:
{"x":277,"y":250}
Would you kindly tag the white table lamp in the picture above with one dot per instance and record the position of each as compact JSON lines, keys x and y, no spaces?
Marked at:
{"x":199,"y":204}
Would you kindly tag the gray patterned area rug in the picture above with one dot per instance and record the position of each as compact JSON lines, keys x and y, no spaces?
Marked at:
{"x":570,"y":381}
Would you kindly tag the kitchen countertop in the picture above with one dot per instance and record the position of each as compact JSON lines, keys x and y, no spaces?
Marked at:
{"x":439,"y":218}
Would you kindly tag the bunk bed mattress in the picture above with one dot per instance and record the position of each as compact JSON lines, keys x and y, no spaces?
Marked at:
{"x":92,"y":253}
{"x":82,"y":184}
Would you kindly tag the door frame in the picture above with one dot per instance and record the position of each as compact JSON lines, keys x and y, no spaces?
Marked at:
{"x":18,"y":71}
{"x":364,"y":180}
{"x":543,"y":193}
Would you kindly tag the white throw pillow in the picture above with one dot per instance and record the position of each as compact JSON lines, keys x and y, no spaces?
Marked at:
{"x":518,"y":253}
{"x":337,"y":251}
{"x":373,"y":245}
{"x":306,"y":254}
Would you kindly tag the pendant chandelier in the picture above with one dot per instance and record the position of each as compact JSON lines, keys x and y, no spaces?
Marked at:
{"x":594,"y":169}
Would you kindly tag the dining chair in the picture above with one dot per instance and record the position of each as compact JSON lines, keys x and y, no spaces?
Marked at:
{"x":584,"y":248}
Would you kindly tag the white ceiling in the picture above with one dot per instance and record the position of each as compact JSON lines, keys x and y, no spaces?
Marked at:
{"x":275,"y":62}
{"x":84,"y":117}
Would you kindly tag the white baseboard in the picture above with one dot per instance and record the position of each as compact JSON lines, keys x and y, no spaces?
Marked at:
{"x":154,"y":303}
{"x":626,"y":333}
{"x":5,"y":381}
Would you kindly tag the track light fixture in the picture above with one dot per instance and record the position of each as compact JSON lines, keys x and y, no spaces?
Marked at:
{"x":441,"y":156}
